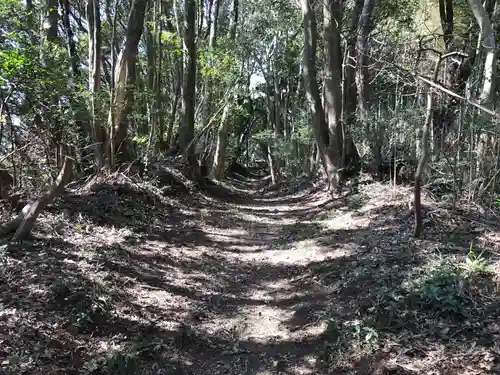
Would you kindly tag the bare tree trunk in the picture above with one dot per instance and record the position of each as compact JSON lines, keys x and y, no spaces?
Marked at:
{"x":52,"y":18}
{"x":109,"y":146}
{"x":363,"y":78}
{"x":29,"y":13}
{"x":489,"y":69}
{"x":421,"y":166}
{"x":186,"y":133}
{"x":207,"y":108}
{"x":424,"y":155}
{"x":234,"y":20}
{"x":160,"y":118}
{"x":320,"y":128}
{"x":332,"y":13}
{"x":350,"y":155}
{"x":70,"y":37}
{"x":94,"y":35}
{"x":24,"y":221}
{"x":151,"y":72}
{"x":457,"y":73}
{"x":487,"y":95}
{"x":125,"y":78}
{"x":175,"y":103}
{"x":220,"y":151}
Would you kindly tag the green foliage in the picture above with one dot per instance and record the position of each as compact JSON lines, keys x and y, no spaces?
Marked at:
{"x":293,"y":150}
{"x":444,"y":286}
{"x":140,"y":140}
{"x":396,"y":16}
{"x":475,"y":263}
{"x":121,"y":363}
{"x":11,"y":62}
{"x":441,"y":288}
{"x":345,"y":337}
{"x":172,"y":42}
{"x":221,"y":63}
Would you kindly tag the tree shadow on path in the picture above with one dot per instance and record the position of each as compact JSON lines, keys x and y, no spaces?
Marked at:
{"x":146,"y":284}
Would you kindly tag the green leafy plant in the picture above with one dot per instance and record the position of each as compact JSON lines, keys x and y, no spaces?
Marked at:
{"x":475,"y":263}
{"x":340,"y":339}
{"x":441,"y":288}
{"x":121,"y":363}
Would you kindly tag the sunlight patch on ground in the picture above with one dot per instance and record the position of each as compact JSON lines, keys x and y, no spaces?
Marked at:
{"x":98,"y":235}
{"x":216,"y":233}
{"x":345,"y":250}
{"x":263,"y":220}
{"x":274,"y":290}
{"x":255,"y":323}
{"x":329,"y":249}
{"x":307,"y":245}
{"x":296,"y":371}
{"x":293,"y":256}
{"x":237,"y":248}
{"x":345,"y":221}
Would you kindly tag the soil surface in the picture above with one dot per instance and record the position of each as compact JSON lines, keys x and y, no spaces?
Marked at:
{"x":122,"y":277}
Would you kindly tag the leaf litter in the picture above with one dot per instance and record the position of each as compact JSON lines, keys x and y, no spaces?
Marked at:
{"x":124,"y":276}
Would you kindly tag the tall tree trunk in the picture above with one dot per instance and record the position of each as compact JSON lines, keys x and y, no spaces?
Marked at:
{"x":52,"y":18}
{"x":51,"y":36}
{"x":219,"y":165}
{"x":70,"y":36}
{"x":489,"y":43}
{"x":186,"y":132}
{"x":320,"y":128}
{"x":125,"y":78}
{"x":29,"y":14}
{"x":209,"y":82}
{"x":220,"y":151}
{"x":177,"y":95}
{"x":457,"y":72}
{"x":350,"y":155}
{"x":160,"y":118}
{"x":487,"y":95}
{"x":332,"y":13}
{"x":151,"y":72}
{"x":234,"y":20}
{"x":363,"y":78}
{"x":419,"y":221}
{"x":94,"y":36}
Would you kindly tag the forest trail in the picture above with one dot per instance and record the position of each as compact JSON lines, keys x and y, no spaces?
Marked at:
{"x":243,"y":293}
{"x":252,"y":293}
{"x":121,"y":280}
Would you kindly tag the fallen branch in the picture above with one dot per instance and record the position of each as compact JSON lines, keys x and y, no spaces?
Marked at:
{"x":24,"y":221}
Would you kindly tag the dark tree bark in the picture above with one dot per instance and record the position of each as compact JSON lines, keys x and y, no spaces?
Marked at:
{"x":332,"y":13}
{"x":94,"y":61}
{"x":365,"y":25}
{"x":350,"y":155}
{"x":319,"y":125}
{"x":125,"y":78}
{"x":70,"y":35}
{"x":53,"y":18}
{"x":24,"y":221}
{"x":234,"y":20}
{"x":457,"y":72}
{"x":189,"y":83}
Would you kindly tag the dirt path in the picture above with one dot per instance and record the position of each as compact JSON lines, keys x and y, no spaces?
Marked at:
{"x":121,"y":280}
{"x":240,"y":287}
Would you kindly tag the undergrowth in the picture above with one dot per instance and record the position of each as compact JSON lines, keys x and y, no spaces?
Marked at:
{"x":444,"y":286}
